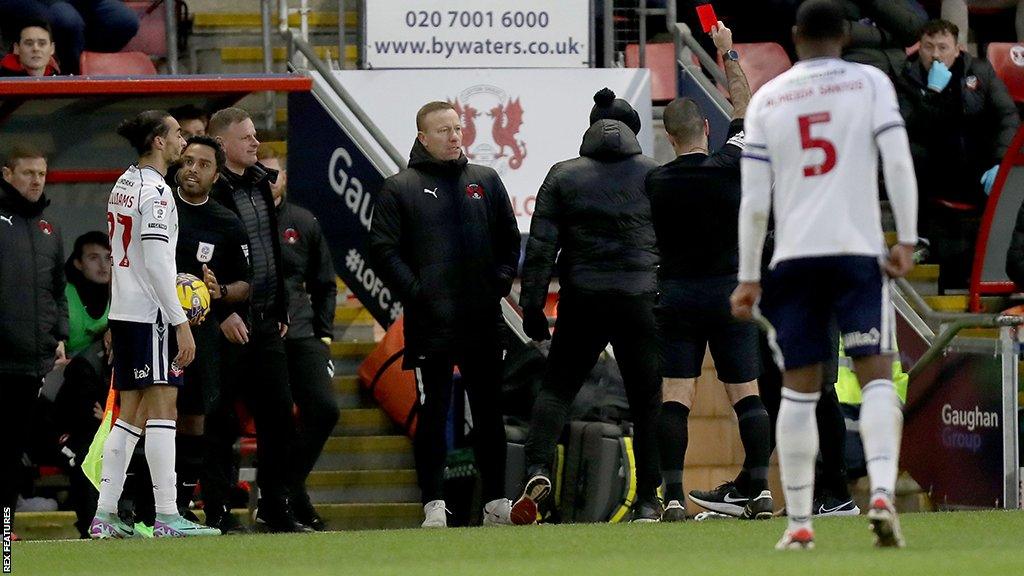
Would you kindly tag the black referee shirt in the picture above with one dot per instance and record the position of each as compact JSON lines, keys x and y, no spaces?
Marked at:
{"x":695,"y":204}
{"x":213,"y":235}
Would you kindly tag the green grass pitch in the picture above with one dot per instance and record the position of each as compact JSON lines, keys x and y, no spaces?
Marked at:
{"x":968,"y":543}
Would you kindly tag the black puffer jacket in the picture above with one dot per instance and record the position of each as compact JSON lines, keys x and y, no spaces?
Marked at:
{"x":445,"y":238}
{"x":308,"y":273}
{"x":595,"y":209}
{"x":255,"y":182}
{"x":33,"y":308}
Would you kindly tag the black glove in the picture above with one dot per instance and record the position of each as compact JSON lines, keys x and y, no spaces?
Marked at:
{"x":535,"y":324}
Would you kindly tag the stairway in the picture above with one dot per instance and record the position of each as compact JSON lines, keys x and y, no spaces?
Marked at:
{"x":365,"y":477}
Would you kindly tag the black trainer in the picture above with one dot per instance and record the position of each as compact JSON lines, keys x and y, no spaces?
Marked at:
{"x":277,"y":517}
{"x":724,"y":499}
{"x":761,"y":507}
{"x":306,"y":514}
{"x":647,"y":510}
{"x":537,"y":488}
{"x":828,"y":505}
{"x":674,"y":512}
{"x":217,"y":517}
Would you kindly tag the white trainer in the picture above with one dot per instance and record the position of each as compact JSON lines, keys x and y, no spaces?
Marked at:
{"x":498,"y":512}
{"x":435,"y":514}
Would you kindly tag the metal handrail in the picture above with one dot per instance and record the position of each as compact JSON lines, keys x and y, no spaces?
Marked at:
{"x":378,"y":135}
{"x":950,"y":324}
{"x":710,"y":64}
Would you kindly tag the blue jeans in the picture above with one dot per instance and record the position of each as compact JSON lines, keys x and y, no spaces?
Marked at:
{"x":95,"y":25}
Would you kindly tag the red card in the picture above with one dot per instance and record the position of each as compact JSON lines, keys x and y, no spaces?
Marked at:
{"x":706,"y":13}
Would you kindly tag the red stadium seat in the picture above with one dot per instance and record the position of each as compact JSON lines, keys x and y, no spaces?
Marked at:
{"x":1008,"y":61}
{"x":152,"y":36}
{"x":661,"y":61}
{"x":116,"y":64}
{"x":761,"y":61}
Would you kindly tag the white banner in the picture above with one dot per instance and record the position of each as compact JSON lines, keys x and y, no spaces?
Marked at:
{"x":477,"y":34}
{"x":519,"y":122}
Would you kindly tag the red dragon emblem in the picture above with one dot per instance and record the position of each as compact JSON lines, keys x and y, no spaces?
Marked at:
{"x":468,"y":115}
{"x":507,"y":120}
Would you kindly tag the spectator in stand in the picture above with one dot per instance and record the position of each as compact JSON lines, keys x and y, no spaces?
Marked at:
{"x":32,"y":54}
{"x":192,"y":119}
{"x":79,"y":403}
{"x":78,"y":25}
{"x":33,"y":310}
{"x":445,"y":238}
{"x":881,"y":31}
{"x":957,"y":12}
{"x":595,"y":208}
{"x":960,"y":120}
{"x":310,"y":280}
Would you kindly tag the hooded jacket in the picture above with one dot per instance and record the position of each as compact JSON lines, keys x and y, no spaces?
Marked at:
{"x":33,"y":308}
{"x":255,"y":182}
{"x":308,"y":273}
{"x":445,"y":238}
{"x":10,"y":65}
{"x":596,"y":211}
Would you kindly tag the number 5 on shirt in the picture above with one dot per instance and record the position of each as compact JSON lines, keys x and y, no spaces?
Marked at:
{"x":810,"y":143}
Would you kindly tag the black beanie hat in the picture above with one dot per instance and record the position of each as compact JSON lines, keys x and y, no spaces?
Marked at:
{"x":608,"y":107}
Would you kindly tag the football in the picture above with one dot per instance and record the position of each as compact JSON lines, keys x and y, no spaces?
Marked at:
{"x":194,"y":297}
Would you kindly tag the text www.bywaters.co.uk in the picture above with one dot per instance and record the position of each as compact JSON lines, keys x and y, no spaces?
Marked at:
{"x":453,"y":48}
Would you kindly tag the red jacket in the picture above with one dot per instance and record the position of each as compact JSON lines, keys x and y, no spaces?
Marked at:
{"x":10,"y":65}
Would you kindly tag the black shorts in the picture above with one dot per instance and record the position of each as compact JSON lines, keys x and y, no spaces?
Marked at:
{"x":802,"y":295}
{"x":693,"y":315}
{"x":144,"y":354}
{"x":202,"y":376}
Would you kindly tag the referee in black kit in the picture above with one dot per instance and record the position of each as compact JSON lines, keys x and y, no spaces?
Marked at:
{"x":212,"y":245}
{"x":699,"y":263}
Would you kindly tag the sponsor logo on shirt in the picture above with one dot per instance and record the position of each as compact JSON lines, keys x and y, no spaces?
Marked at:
{"x":143,"y":373}
{"x":8,"y":219}
{"x":856,"y":339}
{"x":159,"y":211}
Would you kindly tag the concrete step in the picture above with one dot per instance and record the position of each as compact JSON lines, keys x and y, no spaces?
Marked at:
{"x":347,"y":315}
{"x":954,"y":303}
{"x":254,"y":54}
{"x":370,"y":421}
{"x":349,"y":395}
{"x":924,"y":273}
{"x":220,"y":22}
{"x":351,"y":486}
{"x":366,"y":453}
{"x":351,"y":349}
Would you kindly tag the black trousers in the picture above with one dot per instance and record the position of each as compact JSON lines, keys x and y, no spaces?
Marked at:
{"x":481,"y":377}
{"x":19,"y":398}
{"x":256,"y":372}
{"x":318,"y":409}
{"x":586,"y":324}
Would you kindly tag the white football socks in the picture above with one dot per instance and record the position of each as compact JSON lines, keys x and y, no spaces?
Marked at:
{"x":881,"y":429}
{"x":160,"y":454}
{"x":797,"y":440}
{"x":117,"y":454}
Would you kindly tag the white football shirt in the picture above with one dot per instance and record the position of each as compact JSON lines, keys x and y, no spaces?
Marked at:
{"x":142,"y":221}
{"x":817,"y":126}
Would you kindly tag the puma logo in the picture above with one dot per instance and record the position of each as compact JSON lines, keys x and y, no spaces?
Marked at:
{"x":8,"y":219}
{"x":431,"y":192}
